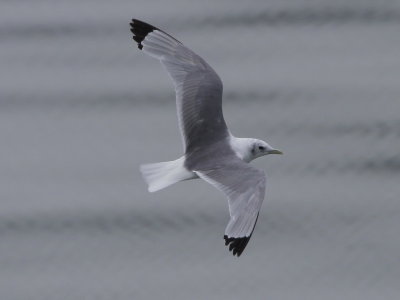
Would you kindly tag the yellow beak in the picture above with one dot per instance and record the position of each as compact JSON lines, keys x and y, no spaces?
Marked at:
{"x":275,"y":151}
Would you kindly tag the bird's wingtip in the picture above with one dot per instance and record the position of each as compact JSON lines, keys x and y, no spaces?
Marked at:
{"x":140,"y":30}
{"x":236,"y":245}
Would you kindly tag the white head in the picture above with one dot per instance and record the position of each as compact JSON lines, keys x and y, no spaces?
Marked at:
{"x":260,"y":148}
{"x":249,"y":149}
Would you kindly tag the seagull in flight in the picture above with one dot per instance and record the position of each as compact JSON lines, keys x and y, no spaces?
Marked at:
{"x":211,"y":152}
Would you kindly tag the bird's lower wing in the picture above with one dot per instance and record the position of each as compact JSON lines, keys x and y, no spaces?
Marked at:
{"x":198,"y":87}
{"x":244,"y":186}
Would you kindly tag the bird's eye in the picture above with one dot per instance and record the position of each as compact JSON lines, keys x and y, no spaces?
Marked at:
{"x":262,"y":148}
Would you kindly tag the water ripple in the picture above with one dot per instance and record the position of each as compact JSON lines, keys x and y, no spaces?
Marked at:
{"x":104,"y":223}
{"x":285,"y":17}
{"x":308,"y":16}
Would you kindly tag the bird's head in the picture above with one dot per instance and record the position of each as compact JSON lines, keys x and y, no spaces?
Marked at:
{"x":261,"y":148}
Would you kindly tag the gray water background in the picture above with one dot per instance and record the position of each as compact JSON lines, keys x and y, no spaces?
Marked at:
{"x":81,"y":108}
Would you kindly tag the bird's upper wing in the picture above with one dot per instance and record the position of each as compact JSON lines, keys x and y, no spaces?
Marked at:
{"x":198,"y":87}
{"x":244,"y":186}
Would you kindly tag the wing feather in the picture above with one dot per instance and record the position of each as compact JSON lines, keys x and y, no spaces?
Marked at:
{"x":198,"y":87}
{"x":244,"y":186}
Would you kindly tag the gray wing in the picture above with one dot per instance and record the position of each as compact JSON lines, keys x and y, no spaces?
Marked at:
{"x":244,"y":186}
{"x":198,"y":87}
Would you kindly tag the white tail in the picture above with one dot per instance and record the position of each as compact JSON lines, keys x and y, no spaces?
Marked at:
{"x":163,"y":174}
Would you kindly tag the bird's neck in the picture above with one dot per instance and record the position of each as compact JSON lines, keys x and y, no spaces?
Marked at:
{"x":242,"y":147}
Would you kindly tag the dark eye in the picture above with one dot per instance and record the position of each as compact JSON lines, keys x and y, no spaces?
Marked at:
{"x":262,"y":148}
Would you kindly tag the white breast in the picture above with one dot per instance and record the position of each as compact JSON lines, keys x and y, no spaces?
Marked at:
{"x":242,"y":147}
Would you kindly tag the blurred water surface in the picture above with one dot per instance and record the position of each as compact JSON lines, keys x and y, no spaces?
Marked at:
{"x":81,"y":108}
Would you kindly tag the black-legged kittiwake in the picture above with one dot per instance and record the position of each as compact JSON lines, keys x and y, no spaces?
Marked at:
{"x":211,"y":152}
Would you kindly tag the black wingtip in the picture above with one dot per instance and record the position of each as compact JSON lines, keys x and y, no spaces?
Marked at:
{"x":140,"y":30}
{"x":236,"y":245}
